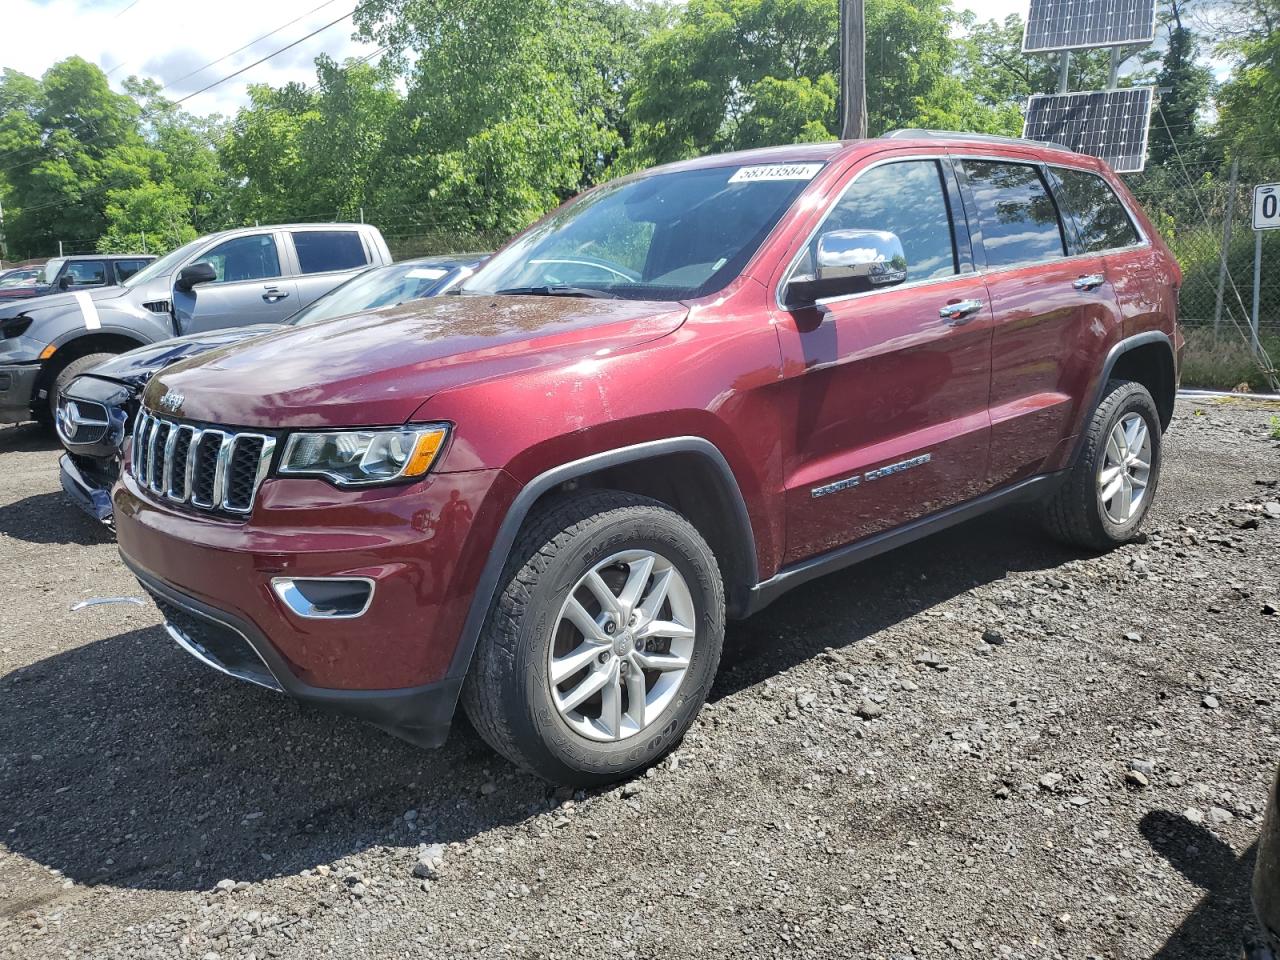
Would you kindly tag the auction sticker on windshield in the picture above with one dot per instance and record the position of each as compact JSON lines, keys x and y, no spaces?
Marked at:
{"x":777,"y":171}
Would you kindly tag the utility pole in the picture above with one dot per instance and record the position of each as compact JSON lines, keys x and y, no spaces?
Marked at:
{"x":1064,"y":71}
{"x":1226,"y":244}
{"x":853,"y":70}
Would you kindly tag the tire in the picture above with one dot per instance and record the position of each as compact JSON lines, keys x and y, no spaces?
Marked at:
{"x":508,"y":695}
{"x":64,"y":377}
{"x":1077,"y":514}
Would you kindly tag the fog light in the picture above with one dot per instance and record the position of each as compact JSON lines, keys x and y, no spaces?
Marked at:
{"x":325,"y":598}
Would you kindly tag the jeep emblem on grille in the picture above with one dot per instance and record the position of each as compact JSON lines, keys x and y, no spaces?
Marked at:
{"x":172,"y":401}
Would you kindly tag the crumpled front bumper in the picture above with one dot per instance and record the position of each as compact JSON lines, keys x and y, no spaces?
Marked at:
{"x":85,"y":492}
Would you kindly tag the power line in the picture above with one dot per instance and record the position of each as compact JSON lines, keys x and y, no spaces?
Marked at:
{"x":269,"y":56}
{"x":211,"y":63}
{"x":214,"y":63}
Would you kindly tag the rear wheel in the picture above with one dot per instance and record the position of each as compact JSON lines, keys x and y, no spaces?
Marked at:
{"x":603,"y":643}
{"x":1110,"y":488}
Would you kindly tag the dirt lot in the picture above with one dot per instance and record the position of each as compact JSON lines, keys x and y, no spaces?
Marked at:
{"x":1062,"y":756}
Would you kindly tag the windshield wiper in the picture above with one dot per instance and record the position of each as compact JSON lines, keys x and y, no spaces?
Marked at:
{"x":558,"y":290}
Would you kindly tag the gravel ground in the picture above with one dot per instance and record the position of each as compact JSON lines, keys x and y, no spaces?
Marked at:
{"x":983,"y":745}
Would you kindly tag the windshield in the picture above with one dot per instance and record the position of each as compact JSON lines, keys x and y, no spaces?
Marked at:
{"x":667,"y":236}
{"x":378,"y":287}
{"x":166,"y":264}
{"x":18,"y":278}
{"x":50,"y":270}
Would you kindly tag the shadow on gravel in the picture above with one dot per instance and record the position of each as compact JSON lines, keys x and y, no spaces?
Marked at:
{"x":1219,"y":925}
{"x":126,"y":762}
{"x":27,"y":437}
{"x":843,"y":608}
{"x":51,"y":518}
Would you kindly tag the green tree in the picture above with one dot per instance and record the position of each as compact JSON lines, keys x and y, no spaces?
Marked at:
{"x":731,"y":74}
{"x":1186,"y":87}
{"x":512,"y":105}
{"x":76,"y":158}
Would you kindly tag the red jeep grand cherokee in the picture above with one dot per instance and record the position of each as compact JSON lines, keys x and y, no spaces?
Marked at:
{"x":669,"y":401}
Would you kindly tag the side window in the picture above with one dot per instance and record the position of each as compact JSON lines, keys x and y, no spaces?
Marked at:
{"x":1018,"y":218}
{"x":245,"y":258}
{"x":87,"y":273}
{"x":906,"y":198}
{"x":127,"y":268}
{"x":1102,"y":220}
{"x":320,"y":251}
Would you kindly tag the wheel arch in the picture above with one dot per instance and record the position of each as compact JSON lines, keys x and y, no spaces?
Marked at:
{"x":707,"y":495}
{"x":1147,"y":359}
{"x":74,"y":347}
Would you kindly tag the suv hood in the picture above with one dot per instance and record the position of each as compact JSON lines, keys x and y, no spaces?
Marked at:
{"x":378,"y":368}
{"x":136,"y":367}
{"x":50,"y":301}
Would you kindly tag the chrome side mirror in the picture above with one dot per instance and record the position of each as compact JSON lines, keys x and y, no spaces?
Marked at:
{"x":850,"y":261}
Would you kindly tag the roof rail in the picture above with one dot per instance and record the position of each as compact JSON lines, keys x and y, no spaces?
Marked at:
{"x":917,"y":134}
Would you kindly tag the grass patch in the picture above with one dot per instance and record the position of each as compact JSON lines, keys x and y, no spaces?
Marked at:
{"x":1222,"y":362}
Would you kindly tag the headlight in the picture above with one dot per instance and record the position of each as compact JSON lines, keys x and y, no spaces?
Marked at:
{"x":353,"y":458}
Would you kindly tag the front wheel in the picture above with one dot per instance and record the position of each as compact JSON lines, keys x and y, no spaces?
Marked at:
{"x":603,"y":643}
{"x":1111,"y":486}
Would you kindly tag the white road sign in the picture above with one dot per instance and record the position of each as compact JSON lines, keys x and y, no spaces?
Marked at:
{"x":1266,"y":206}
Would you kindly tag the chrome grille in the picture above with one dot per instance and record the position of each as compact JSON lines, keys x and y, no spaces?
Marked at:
{"x":208,"y":468}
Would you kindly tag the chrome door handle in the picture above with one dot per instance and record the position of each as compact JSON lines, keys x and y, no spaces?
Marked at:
{"x":1091,"y":282}
{"x":958,"y":314}
{"x":272,"y":295}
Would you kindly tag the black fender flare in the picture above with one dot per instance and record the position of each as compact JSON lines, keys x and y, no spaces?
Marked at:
{"x":500,"y":549}
{"x":1119,"y":349}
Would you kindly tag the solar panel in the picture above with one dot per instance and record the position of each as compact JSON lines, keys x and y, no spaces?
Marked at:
{"x":1073,"y":24}
{"x":1108,"y":124}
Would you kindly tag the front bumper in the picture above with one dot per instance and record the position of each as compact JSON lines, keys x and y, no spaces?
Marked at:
{"x":17,"y":387}
{"x":422,"y":547}
{"x":90,"y":496}
{"x":421,"y":715}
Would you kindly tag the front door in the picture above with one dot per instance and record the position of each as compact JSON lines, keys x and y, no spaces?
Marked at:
{"x":251,"y":287}
{"x":888,"y":388}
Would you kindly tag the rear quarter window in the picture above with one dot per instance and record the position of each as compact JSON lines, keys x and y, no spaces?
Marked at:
{"x":322,"y":251}
{"x":1102,"y":221}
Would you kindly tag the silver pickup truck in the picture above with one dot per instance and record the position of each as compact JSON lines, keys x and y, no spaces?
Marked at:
{"x":227,"y":279}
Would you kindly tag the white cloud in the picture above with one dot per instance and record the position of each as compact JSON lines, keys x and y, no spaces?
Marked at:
{"x":165,"y":39}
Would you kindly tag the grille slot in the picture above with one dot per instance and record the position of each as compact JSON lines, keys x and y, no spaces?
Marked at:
{"x":217,"y":644}
{"x":208,"y":468}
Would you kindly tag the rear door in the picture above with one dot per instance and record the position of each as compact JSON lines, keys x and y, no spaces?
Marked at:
{"x":252,"y":286}
{"x":1105,"y":227}
{"x":324,"y":258}
{"x":890,"y":396}
{"x":1053,"y":306}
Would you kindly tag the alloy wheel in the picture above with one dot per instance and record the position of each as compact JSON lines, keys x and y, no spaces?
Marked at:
{"x":622,"y":645}
{"x":1125,"y":473}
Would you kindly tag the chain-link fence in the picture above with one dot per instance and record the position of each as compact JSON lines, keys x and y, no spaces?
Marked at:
{"x":1205,"y":215}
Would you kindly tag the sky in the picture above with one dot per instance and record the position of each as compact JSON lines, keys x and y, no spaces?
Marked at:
{"x":170,"y":40}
